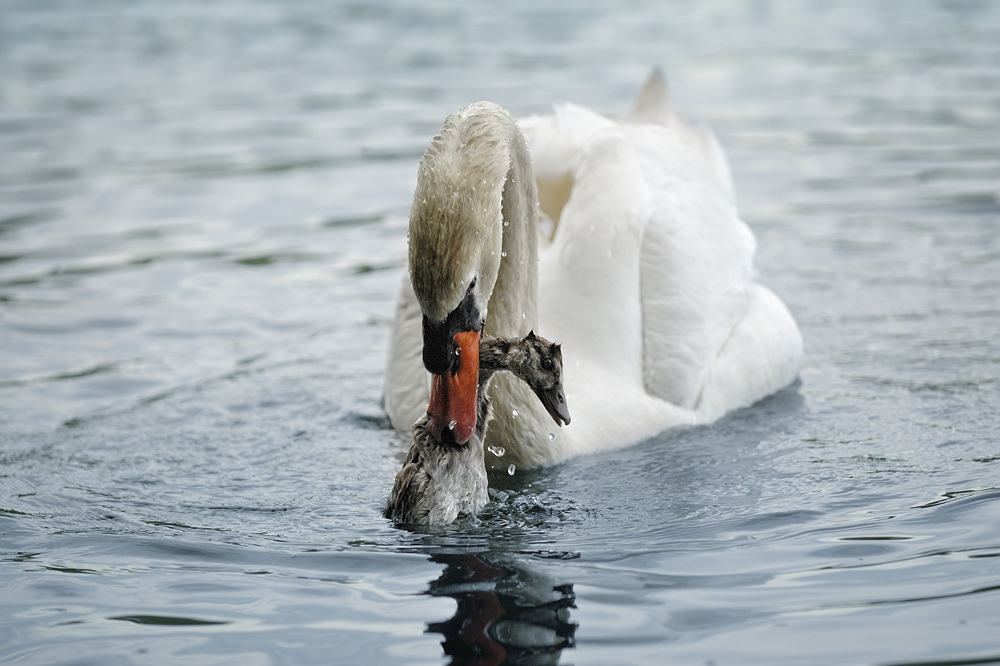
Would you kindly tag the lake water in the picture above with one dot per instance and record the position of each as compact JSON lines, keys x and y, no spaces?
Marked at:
{"x":202,"y":226}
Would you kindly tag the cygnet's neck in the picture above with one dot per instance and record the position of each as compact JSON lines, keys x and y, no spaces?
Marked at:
{"x":499,"y":354}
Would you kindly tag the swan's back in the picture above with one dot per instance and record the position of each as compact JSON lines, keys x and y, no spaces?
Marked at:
{"x":650,"y":232}
{"x":647,"y":236}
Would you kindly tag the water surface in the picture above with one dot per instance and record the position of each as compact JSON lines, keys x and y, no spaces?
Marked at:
{"x":202,"y":228}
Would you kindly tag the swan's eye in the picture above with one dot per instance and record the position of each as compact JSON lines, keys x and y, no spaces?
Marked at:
{"x":547,"y":363}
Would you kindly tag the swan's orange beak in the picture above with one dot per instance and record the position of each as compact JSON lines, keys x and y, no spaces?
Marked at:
{"x":454,"y":399}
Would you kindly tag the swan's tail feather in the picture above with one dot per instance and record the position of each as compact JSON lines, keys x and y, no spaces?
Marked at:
{"x":652,"y":105}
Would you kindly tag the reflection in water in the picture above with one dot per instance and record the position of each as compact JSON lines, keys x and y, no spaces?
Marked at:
{"x":507,"y":613}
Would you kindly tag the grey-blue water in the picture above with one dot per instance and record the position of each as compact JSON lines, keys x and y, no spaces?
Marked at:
{"x":202,"y":227}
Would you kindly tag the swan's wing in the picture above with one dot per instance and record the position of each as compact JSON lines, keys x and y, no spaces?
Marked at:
{"x":555,"y":142}
{"x":407,"y":383}
{"x":696,"y":264}
{"x":762,"y":355}
{"x":649,"y":250}
{"x":716,"y":158}
{"x":590,"y":300}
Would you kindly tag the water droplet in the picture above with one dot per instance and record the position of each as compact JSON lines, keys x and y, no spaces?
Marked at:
{"x":510,"y":470}
{"x":498,"y":451}
{"x":506,"y":223}
{"x":552,"y":436}
{"x":513,"y":413}
{"x":458,"y":351}
{"x":452,"y":424}
{"x":503,"y":254}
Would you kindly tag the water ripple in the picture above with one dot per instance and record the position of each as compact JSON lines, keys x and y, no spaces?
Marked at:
{"x":203,"y":223}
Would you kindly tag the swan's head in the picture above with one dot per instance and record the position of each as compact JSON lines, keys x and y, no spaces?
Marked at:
{"x":454,"y":256}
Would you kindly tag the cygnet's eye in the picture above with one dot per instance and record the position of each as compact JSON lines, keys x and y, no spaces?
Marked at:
{"x":547,"y":363}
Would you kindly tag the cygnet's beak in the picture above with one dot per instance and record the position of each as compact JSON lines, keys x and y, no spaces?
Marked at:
{"x":454,"y":399}
{"x":554,"y":401}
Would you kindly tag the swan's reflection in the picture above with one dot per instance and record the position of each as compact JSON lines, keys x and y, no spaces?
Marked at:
{"x":507,"y":613}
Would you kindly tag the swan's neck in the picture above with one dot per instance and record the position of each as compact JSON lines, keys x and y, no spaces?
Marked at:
{"x":474,"y":217}
{"x":514,"y":304}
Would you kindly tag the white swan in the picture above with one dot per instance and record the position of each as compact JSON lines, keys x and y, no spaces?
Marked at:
{"x":646,"y":279}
